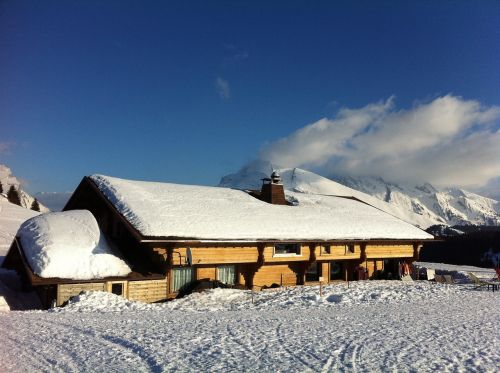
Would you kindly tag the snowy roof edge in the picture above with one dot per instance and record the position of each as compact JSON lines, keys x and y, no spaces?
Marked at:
{"x":145,"y":238}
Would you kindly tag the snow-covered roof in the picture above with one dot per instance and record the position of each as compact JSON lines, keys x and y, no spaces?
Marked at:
{"x":214,"y":213}
{"x":69,"y":245}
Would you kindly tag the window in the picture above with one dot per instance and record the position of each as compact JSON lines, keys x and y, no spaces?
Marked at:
{"x":349,"y":249}
{"x":117,"y":288}
{"x":326,"y":250}
{"x":312,"y":273}
{"x":287,"y":249}
{"x":181,"y":277}
{"x":337,"y":271}
{"x":226,"y":274}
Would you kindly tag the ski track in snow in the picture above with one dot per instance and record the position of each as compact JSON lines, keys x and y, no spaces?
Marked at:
{"x":457,"y":330}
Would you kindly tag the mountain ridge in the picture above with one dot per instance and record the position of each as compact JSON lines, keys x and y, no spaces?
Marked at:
{"x":422,"y":205}
{"x":7,"y":179}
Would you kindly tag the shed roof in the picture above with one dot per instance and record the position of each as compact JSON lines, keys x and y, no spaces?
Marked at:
{"x":194,"y":212}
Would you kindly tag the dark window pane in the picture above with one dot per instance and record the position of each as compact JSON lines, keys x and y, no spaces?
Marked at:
{"x":117,"y":289}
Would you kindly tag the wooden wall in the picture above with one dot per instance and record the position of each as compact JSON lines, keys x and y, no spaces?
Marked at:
{"x":66,"y":291}
{"x":338,"y":252}
{"x":250,"y":254}
{"x":389,"y":251}
{"x":148,"y":291}
{"x":221,"y":255}
{"x":206,"y":273}
{"x":269,"y":256}
{"x":285,"y":274}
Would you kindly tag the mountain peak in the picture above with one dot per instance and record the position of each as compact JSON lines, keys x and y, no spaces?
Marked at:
{"x":423,"y":205}
{"x":7,"y":179}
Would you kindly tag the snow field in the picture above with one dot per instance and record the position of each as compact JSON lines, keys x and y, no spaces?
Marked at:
{"x":370,"y":326}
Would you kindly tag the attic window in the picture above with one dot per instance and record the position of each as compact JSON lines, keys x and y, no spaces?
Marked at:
{"x":287,"y":249}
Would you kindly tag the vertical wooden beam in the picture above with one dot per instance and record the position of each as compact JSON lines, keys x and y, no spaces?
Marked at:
{"x":416,"y":251}
{"x":325,"y":271}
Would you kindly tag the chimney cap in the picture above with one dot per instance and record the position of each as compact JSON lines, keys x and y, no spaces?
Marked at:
{"x":275,"y":177}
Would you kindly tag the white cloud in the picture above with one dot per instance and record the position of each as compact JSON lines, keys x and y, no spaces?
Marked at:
{"x":222,"y":87}
{"x":449,"y":141}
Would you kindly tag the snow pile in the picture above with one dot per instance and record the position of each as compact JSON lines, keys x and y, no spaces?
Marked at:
{"x":214,"y":213}
{"x":458,"y":272}
{"x":4,"y":307}
{"x":100,"y":301}
{"x":69,"y":245}
{"x":297,"y":297}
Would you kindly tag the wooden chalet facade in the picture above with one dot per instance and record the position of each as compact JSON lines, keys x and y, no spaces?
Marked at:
{"x":162,"y":265}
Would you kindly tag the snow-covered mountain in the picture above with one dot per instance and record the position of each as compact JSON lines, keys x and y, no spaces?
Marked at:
{"x":7,"y":179}
{"x":450,"y":206}
{"x":420,"y":205}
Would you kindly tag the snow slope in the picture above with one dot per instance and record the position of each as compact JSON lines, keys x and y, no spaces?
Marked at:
{"x":212,"y":213}
{"x":69,"y":244}
{"x":452,"y":206}
{"x":422,"y":206}
{"x":372,"y":326}
{"x":11,"y":218}
{"x":7,"y":179}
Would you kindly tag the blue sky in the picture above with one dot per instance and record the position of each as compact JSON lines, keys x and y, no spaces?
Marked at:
{"x":190,"y":91}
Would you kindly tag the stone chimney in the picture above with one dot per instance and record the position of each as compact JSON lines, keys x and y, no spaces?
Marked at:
{"x":272,"y":190}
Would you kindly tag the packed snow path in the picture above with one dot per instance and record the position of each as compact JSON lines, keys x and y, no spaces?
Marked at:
{"x":452,"y":329}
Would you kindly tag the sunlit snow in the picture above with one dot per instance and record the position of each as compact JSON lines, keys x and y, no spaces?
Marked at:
{"x":69,"y":244}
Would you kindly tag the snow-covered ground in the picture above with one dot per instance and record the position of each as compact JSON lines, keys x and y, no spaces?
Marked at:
{"x":368,"y":326}
{"x":458,"y":272}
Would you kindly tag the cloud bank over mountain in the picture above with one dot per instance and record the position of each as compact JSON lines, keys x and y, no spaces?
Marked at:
{"x":448,"y":141}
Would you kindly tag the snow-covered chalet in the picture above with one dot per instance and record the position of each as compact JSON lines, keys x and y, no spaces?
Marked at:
{"x":148,"y":240}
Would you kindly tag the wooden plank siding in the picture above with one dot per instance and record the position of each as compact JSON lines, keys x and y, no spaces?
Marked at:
{"x":206,"y":273}
{"x":148,"y":291}
{"x":66,"y":291}
{"x":284,"y":274}
{"x":338,"y":252}
{"x":220,"y":255}
{"x":270,"y":257}
{"x":389,"y":251}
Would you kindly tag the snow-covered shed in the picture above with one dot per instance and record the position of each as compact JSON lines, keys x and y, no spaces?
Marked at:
{"x":189,"y":233}
{"x":61,"y":254}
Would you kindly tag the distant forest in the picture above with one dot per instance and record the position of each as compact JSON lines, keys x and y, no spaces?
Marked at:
{"x":478,"y":246}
